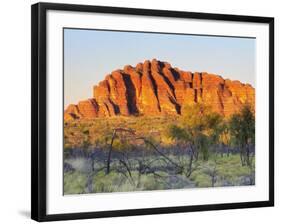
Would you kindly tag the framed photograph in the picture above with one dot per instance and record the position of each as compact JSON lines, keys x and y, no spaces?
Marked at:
{"x":140,"y":111}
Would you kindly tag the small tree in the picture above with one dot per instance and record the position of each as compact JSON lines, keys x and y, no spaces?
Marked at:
{"x":215,"y":126}
{"x":184,"y":137}
{"x":200,"y":129}
{"x":225,"y":138}
{"x":203,"y":125}
{"x":242,"y":129}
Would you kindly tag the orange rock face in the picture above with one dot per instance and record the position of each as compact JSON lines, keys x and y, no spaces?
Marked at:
{"x":84,"y":109}
{"x":155,"y":88}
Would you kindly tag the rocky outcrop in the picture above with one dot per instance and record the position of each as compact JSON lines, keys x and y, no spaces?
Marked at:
{"x":156,"y":88}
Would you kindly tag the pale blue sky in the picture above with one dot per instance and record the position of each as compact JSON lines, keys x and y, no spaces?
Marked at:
{"x":89,"y":55}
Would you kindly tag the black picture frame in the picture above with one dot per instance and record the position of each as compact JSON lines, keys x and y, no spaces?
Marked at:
{"x":39,"y":108}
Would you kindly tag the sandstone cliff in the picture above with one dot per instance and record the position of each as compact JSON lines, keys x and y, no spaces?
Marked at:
{"x":156,"y":88}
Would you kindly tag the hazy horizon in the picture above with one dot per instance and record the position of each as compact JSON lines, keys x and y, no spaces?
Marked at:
{"x":89,"y":55}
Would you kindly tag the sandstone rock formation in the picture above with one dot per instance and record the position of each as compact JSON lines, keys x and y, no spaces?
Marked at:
{"x":156,"y":88}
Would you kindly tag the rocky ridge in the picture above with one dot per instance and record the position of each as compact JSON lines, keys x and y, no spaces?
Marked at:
{"x":156,"y":88}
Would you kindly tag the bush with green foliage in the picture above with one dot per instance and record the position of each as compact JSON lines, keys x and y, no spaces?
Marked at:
{"x":242,"y":129}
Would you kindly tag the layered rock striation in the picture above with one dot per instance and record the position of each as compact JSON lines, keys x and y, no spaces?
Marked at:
{"x":156,"y":88}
